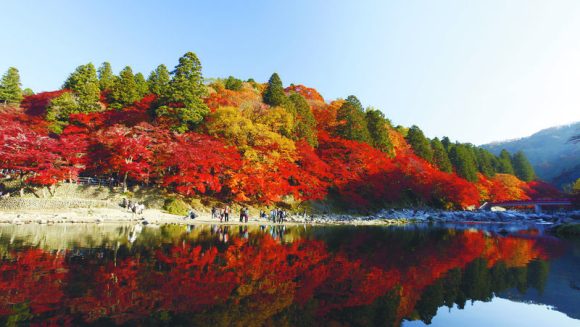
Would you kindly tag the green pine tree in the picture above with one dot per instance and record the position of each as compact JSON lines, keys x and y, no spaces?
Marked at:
{"x":85,"y":86}
{"x":142,"y":85}
{"x":10,"y":87}
{"x":124,"y":92}
{"x":186,"y":88}
{"x":352,"y":121}
{"x":446,"y":143}
{"x":106,"y":76}
{"x":233,"y":84}
{"x":305,"y":126}
{"x":419,"y":143}
{"x":505,"y":163}
{"x":522,"y":167}
{"x":274,"y":94}
{"x":377,"y":125}
{"x":440,"y":156}
{"x":59,"y":110}
{"x":463,"y":161}
{"x":159,"y":81}
{"x":485,"y":162}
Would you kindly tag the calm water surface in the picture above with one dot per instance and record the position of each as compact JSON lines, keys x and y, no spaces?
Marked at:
{"x":461,"y":275}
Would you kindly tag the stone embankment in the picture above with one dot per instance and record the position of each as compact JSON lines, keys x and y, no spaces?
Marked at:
{"x":15,"y":203}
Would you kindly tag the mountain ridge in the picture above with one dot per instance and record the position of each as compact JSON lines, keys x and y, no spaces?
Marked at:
{"x":553,"y":157}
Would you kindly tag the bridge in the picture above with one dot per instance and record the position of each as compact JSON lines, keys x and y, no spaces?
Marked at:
{"x":537,"y":204}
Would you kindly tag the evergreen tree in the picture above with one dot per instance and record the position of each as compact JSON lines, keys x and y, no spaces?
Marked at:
{"x":522,"y":167}
{"x":274,"y":94}
{"x":59,"y":109}
{"x":124,"y":91}
{"x":355,"y":101}
{"x":187,"y":89}
{"x":377,"y":126}
{"x":352,"y":121}
{"x":505,"y":163}
{"x":446,"y":143}
{"x":106,"y":76}
{"x":142,"y":86}
{"x":10,"y":87}
{"x":159,"y":81}
{"x":440,"y":156}
{"x":305,"y":126}
{"x":233,"y":84}
{"x":419,"y":143}
{"x":463,"y":162}
{"x":85,"y":86}
{"x":485,"y":162}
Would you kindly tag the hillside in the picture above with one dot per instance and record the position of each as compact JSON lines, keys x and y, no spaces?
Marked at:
{"x":242,"y":142}
{"x":554,"y":159}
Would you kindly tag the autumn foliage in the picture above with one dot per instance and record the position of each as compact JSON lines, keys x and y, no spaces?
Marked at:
{"x":244,"y":151}
{"x":250,"y":279}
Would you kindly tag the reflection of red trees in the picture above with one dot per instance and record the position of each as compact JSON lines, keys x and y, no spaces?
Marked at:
{"x":32,"y":276}
{"x":260,"y":274}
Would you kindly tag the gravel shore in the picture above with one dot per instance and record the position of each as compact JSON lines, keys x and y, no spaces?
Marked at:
{"x":384,"y":217}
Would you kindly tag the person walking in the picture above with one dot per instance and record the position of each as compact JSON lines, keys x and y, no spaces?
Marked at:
{"x":227,"y":213}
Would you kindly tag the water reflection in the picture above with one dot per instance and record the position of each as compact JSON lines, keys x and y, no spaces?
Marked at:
{"x":273,"y":275}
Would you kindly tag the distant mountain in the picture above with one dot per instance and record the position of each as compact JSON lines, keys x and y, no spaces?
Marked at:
{"x":554,"y":158}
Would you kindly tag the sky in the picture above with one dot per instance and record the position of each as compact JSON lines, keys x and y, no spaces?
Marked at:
{"x":475,"y":71}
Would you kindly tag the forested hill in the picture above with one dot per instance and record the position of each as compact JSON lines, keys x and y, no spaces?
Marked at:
{"x":553,"y":157}
{"x":240,"y":141}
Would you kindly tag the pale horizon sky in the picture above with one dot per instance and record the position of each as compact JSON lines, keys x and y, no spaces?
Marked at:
{"x":474,"y":71}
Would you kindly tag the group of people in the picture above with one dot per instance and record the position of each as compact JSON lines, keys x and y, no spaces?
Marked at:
{"x":134,"y":207}
{"x":223,"y":214}
{"x":276,"y":215}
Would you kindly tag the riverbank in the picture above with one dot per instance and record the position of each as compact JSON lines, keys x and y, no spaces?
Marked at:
{"x":158,"y":217}
{"x":384,"y":217}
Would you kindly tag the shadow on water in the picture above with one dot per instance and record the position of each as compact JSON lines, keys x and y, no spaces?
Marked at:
{"x":275,"y":275}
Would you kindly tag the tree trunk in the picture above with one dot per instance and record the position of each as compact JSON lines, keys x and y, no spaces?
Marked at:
{"x":125,"y":182}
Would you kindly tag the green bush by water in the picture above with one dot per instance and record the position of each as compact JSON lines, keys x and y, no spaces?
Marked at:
{"x":176,"y":207}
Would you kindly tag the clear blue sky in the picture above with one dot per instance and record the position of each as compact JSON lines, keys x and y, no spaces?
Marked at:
{"x":476,"y":71}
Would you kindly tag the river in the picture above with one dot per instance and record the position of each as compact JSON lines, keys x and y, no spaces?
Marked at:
{"x":442,"y":275}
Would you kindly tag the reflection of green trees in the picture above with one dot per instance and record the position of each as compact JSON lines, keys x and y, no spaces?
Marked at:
{"x":479,"y":283}
{"x":382,"y":312}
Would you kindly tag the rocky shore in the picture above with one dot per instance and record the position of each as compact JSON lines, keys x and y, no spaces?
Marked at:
{"x":384,"y":217}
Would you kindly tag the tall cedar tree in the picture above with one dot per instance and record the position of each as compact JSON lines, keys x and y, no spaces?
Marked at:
{"x":446,"y":143}
{"x":352,"y":123}
{"x":142,"y":86}
{"x":10,"y":87}
{"x":233,"y":84}
{"x":485,"y":162}
{"x":420,"y":143}
{"x":463,"y":162}
{"x":159,"y":81}
{"x":377,"y":126}
{"x":85,"y":86}
{"x":184,"y":106}
{"x":440,"y":156}
{"x":505,"y":163}
{"x":522,"y":167}
{"x":124,"y":92}
{"x":59,"y":109}
{"x":274,"y":94}
{"x":106,"y":76}
{"x":305,"y":126}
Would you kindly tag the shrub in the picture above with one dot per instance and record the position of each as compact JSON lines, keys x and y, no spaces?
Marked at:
{"x":176,"y":207}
